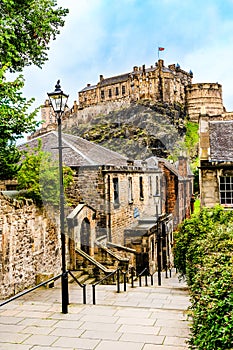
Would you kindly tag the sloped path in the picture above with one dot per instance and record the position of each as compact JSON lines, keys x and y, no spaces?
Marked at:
{"x":143,"y":318}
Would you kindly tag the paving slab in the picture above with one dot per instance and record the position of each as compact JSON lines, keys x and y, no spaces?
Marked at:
{"x":143,"y":318}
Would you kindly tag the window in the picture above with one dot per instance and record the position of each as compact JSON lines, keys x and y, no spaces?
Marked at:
{"x":157,"y":185}
{"x":141,"y":194}
{"x":130,"y":190}
{"x":110,"y":93}
{"x":102,"y":94}
{"x":150,"y":186}
{"x":226,"y":190}
{"x":116,"y":191}
{"x":123,"y":89}
{"x":117,"y":91}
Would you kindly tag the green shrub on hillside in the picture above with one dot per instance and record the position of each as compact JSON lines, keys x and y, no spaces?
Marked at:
{"x":204,"y":255}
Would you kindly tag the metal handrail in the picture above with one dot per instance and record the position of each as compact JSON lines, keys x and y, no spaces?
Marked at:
{"x":82,"y":285}
{"x":117,"y":272}
{"x":30,"y":290}
{"x":146,"y":275}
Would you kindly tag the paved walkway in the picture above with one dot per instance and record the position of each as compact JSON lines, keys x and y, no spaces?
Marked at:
{"x":143,"y":318}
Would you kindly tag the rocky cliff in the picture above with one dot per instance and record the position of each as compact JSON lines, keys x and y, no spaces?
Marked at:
{"x":137,"y":131}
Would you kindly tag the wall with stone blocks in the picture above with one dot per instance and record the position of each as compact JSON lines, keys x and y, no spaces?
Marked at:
{"x":29,"y":246}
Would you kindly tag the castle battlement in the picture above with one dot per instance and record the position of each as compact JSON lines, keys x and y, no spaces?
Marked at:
{"x":157,"y":83}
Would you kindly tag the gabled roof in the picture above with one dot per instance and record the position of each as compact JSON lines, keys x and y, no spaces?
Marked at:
{"x":76,"y":150}
{"x":221,"y":141}
{"x":91,"y":87}
{"x":114,"y":80}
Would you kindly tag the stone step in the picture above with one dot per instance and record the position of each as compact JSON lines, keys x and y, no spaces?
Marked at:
{"x":83,"y":278}
{"x":90,"y":280}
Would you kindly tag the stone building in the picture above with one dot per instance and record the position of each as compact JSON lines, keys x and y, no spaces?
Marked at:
{"x":157,"y":83}
{"x":29,"y":246}
{"x":112,"y":195}
{"x":216,"y":160}
{"x":204,"y":96}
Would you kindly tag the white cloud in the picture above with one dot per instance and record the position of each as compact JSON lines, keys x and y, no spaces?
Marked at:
{"x":109,"y":38}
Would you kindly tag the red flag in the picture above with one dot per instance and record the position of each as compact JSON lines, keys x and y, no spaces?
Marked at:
{"x":161,"y":48}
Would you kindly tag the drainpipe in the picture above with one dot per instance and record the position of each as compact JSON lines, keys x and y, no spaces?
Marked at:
{"x":108,"y":209}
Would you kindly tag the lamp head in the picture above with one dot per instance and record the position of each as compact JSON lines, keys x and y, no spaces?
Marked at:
{"x":58,"y":99}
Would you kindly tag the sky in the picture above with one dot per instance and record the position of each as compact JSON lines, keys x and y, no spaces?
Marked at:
{"x":109,"y":37}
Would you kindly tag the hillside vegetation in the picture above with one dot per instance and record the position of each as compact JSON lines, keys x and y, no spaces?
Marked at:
{"x":144,"y":129}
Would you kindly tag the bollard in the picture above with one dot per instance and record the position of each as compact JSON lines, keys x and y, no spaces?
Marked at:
{"x":132,"y":277}
{"x":84,"y":294}
{"x":93,"y":294}
{"x":118,"y":281}
{"x":124,"y":281}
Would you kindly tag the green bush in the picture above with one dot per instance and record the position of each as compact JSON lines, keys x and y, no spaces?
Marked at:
{"x":38,"y":177}
{"x":204,"y":255}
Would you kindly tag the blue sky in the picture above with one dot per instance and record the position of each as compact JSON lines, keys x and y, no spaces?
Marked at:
{"x":109,"y":37}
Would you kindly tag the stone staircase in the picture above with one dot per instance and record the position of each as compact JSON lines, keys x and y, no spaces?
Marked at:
{"x":82,"y":276}
{"x":92,"y":269}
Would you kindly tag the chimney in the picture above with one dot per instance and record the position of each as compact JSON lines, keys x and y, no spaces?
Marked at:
{"x":172,"y":66}
{"x":143,"y":68}
{"x":101,"y":77}
{"x":75,"y":107}
{"x":160,"y":63}
{"x":135,"y":68}
{"x":182,"y":166}
{"x":88,"y":85}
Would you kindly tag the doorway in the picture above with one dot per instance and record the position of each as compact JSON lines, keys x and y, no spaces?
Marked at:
{"x":85,"y":236}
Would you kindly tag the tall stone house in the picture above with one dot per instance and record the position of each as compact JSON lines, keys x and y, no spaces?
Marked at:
{"x":216,"y":159}
{"x":119,"y":203}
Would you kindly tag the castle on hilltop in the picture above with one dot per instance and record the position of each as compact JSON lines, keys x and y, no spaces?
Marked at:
{"x":158,"y":83}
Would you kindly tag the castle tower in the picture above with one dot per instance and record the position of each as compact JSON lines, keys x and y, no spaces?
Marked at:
{"x":204,"y":97}
{"x":47,"y":114}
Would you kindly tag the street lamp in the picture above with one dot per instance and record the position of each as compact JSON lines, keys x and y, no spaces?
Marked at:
{"x":58,"y":100}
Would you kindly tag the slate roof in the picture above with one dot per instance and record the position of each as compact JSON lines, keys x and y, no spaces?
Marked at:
{"x":123,"y":77}
{"x":114,"y":80}
{"x":77,"y":151}
{"x":221,"y":141}
{"x":91,"y":87}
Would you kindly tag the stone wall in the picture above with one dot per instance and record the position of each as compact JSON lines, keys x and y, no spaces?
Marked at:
{"x":204,"y":98}
{"x":29,"y":246}
{"x":94,"y":186}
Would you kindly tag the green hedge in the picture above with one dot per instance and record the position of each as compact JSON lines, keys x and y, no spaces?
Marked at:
{"x":204,"y":256}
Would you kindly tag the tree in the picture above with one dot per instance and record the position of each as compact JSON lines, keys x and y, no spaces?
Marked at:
{"x":14,"y":120}
{"x":25,"y":32}
{"x":38,"y":176}
{"x":27,"y":26}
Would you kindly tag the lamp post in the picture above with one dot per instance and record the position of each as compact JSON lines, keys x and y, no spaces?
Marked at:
{"x":58,"y":100}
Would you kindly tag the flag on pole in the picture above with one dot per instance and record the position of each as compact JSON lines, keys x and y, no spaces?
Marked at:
{"x":160,"y":49}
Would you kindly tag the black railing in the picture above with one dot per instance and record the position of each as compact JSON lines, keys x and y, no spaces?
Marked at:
{"x":112,"y":274}
{"x":118,"y":272}
{"x":146,"y":274}
{"x":82,"y":285}
{"x":53,"y":279}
